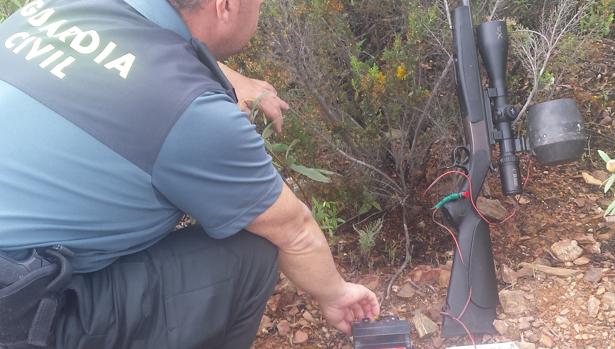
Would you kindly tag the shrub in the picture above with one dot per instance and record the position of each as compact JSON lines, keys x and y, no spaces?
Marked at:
{"x":367,"y":239}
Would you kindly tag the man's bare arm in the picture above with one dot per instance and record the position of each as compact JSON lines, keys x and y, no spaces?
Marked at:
{"x":305,"y":258}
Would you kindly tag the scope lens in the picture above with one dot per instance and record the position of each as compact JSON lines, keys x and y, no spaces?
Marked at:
{"x":509,"y":175}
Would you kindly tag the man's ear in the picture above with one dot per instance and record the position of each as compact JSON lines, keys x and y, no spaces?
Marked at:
{"x":223,"y":10}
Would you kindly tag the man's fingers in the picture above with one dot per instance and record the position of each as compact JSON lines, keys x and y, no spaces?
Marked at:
{"x":283,"y":105}
{"x":357,"y":309}
{"x":273,"y":107}
{"x":278,"y":124}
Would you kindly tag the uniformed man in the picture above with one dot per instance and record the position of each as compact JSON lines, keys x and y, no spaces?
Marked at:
{"x":115,"y":119}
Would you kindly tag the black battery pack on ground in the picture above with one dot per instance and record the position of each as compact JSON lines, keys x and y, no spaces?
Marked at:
{"x":386,"y":333}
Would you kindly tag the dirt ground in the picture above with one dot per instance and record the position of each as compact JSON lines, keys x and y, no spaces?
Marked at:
{"x":539,"y":307}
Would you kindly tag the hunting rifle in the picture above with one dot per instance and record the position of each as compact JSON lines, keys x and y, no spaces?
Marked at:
{"x":555,"y":136}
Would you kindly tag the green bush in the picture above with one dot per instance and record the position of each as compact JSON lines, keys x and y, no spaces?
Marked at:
{"x":7,"y":7}
{"x":326,"y":215}
{"x":367,"y":239}
{"x":600,"y":19}
{"x":359,"y":78}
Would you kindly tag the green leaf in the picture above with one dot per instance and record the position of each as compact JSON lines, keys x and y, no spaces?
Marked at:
{"x":312,"y":173}
{"x":604,"y":156}
{"x":609,"y":183}
{"x":609,"y":209}
{"x":327,"y":172}
{"x":278,"y":147}
{"x":267,"y":132}
{"x":292,"y":144}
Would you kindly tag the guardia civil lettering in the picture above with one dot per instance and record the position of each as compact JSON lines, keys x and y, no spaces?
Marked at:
{"x":35,"y":45}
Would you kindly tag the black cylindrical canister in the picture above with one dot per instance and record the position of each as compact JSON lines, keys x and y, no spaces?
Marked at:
{"x":556,"y":131}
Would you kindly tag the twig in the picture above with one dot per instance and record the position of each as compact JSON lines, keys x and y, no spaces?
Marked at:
{"x":371,"y":167}
{"x":495,"y":8}
{"x":448,"y":14}
{"x":537,"y":54}
{"x":409,"y":251}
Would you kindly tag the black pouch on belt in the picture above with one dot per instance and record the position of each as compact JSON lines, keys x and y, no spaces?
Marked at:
{"x":30,"y":294}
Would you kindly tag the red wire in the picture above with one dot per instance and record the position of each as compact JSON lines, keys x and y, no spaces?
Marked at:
{"x":529,"y":171}
{"x":471,"y":196}
{"x":458,"y":318}
{"x":465,"y":307}
{"x":433,"y":217}
{"x":462,"y":325}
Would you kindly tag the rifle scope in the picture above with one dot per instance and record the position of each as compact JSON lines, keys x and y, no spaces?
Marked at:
{"x":555,"y":127}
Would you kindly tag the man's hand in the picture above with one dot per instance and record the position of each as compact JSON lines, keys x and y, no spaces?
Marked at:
{"x":253,"y":93}
{"x":354,"y":303}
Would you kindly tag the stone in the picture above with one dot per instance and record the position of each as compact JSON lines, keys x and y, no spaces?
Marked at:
{"x":371,"y":281}
{"x":424,"y":325}
{"x":425,"y":274}
{"x":514,"y":302}
{"x":594,"y":248}
{"x":525,"y":322}
{"x":531,"y":336}
{"x":593,"y":274}
{"x":608,"y":300}
{"x":600,"y":291}
{"x":546,"y":340}
{"x":308,"y":316}
{"x":300,"y":337}
{"x":566,"y":250}
{"x":444,"y":278}
{"x":562,"y":321}
{"x":593,"y":306}
{"x":406,"y":291}
{"x":509,"y":276}
{"x":523,"y":200}
{"x":525,"y":345}
{"x":501,"y":326}
{"x":491,"y":208}
{"x":582,"y":261}
{"x":283,"y":328}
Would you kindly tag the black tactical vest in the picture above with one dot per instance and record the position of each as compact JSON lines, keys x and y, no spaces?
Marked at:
{"x":108,"y":70}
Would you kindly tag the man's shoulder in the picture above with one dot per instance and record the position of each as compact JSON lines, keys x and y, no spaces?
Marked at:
{"x":212,"y":119}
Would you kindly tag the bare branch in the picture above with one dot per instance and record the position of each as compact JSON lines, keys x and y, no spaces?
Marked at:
{"x":537,"y":47}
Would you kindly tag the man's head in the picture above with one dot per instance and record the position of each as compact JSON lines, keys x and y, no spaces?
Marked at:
{"x":225,"y":26}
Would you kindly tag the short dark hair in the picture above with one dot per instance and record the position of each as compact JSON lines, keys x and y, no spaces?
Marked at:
{"x":185,"y":4}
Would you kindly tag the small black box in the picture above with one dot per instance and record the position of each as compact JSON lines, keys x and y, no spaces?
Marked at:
{"x":386,"y":333}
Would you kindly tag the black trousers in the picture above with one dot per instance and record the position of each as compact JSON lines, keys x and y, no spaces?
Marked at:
{"x":187,"y":291}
